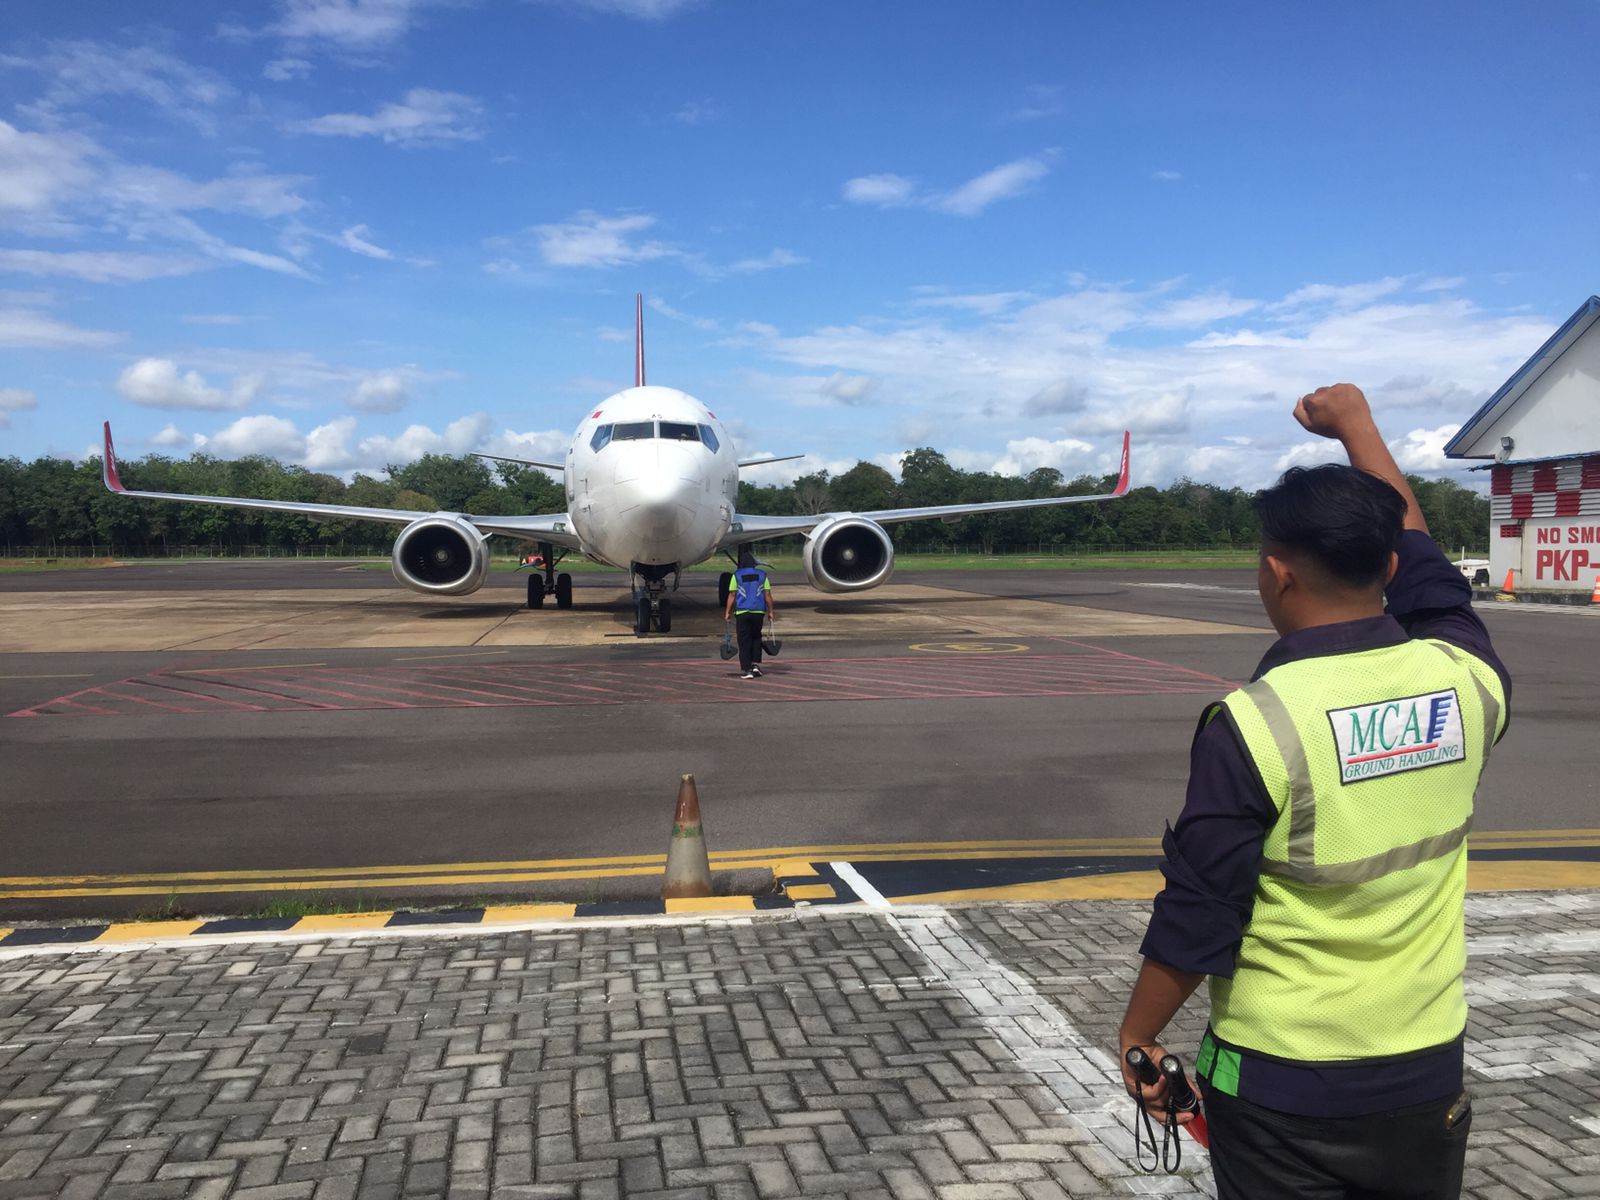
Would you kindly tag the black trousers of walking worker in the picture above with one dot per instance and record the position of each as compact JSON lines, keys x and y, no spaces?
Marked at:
{"x":749,"y":626}
{"x":1415,"y":1153}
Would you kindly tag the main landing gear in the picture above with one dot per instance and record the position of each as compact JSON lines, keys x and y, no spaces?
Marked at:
{"x":650,"y":604}
{"x":549,"y":583}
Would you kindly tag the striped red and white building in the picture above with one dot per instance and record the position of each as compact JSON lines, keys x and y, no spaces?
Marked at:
{"x":1542,"y":429}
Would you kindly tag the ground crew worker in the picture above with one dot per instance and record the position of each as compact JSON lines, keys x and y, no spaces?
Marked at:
{"x":750,"y":601}
{"x":1317,"y":872}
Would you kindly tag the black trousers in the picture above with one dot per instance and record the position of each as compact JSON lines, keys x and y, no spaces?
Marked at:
{"x":749,"y":627}
{"x":1416,"y":1153}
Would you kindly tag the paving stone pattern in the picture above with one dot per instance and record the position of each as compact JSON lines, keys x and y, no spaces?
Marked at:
{"x":955,"y":1054}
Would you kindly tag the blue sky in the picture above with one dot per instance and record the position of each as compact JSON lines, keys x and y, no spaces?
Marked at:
{"x":346,"y":232}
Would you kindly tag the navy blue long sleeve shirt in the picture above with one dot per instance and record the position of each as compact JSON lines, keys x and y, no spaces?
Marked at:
{"x":1213,"y":853}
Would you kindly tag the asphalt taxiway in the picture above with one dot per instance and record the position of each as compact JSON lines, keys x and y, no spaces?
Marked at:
{"x":199,"y":736}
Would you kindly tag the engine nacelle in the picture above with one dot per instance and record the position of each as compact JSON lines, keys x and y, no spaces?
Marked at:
{"x":444,"y":555}
{"x":847,"y":554}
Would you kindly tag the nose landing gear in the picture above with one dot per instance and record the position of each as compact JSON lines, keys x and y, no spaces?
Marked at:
{"x":651,"y":607}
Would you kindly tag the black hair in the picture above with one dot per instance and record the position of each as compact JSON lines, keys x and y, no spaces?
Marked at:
{"x":747,"y":556}
{"x":1346,"y":521}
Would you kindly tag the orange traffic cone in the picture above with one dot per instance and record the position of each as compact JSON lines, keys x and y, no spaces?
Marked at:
{"x":1594,"y":596}
{"x":1508,"y":589}
{"x":688,"y":867}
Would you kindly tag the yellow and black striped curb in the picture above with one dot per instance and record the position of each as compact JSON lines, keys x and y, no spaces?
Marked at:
{"x":899,"y":873}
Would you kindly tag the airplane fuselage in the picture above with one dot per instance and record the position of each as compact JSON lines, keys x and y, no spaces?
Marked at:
{"x":651,"y":478}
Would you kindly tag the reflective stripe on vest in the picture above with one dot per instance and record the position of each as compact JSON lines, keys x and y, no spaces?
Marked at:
{"x":749,"y":597}
{"x":1301,"y":861}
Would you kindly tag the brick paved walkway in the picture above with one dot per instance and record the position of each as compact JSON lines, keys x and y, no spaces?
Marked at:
{"x":920,"y":1053}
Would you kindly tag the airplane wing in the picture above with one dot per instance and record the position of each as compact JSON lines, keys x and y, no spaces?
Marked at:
{"x":521,"y":462}
{"x":550,"y":527}
{"x":761,"y":462}
{"x":750,"y":528}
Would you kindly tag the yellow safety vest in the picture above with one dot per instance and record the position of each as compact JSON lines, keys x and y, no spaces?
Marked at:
{"x":1356,"y":944}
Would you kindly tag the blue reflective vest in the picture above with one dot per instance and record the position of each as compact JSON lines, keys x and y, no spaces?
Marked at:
{"x":751,"y":582}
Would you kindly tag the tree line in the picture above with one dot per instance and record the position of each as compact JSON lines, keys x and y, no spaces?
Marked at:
{"x":51,"y":504}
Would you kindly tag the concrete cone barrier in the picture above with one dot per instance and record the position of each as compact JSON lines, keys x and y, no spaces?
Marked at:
{"x":688,"y":867}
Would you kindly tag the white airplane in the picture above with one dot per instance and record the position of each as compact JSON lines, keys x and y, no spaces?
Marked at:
{"x":652,"y":484}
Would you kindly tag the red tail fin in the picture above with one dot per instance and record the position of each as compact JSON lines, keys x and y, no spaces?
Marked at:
{"x":1122,"y":478}
{"x":108,"y":466}
{"x":638,"y":340}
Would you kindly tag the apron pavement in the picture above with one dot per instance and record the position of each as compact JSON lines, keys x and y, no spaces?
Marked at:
{"x":960,"y":1051}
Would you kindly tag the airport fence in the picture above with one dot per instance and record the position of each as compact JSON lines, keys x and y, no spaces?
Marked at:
{"x":338,"y":550}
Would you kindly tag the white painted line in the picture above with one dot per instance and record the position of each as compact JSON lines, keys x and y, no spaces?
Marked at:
{"x":83,"y":676}
{"x":865,"y":892}
{"x":1042,"y":1041}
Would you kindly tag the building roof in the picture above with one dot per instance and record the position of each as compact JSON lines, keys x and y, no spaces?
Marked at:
{"x":1511,"y":391}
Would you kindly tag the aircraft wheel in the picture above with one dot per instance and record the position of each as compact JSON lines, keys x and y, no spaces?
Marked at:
{"x":535,"y":592}
{"x":664,"y":617}
{"x":641,"y":623}
{"x":563,"y":590}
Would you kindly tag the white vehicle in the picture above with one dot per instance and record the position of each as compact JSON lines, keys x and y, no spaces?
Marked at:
{"x":1475,"y":569}
{"x":652,"y":481}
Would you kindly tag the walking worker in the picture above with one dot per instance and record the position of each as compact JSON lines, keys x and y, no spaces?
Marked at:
{"x":750,"y":602}
{"x":1317,"y":872}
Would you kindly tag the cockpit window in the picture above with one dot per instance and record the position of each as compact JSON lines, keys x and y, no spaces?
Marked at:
{"x":634,"y":431}
{"x":675,"y":431}
{"x":602,"y":435}
{"x":709,"y":438}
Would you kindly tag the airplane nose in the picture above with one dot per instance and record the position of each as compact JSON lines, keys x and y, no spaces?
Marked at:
{"x":662,"y":506}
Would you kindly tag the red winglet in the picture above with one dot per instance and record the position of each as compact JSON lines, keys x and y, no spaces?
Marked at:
{"x":1122,"y":479}
{"x":638,"y":339}
{"x":108,"y":465}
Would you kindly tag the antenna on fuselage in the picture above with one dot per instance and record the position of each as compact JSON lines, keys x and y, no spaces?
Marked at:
{"x":638,"y":339}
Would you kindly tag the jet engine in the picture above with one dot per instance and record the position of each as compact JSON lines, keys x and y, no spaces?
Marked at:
{"x":847,"y":554}
{"x":444,"y":555}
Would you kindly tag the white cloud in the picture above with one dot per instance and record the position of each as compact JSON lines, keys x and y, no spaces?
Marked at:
{"x":425,"y":116}
{"x":156,"y":383}
{"x":327,"y":446}
{"x":26,"y":328}
{"x":1166,"y":176}
{"x":886,"y":191}
{"x":591,"y":240}
{"x":384,"y":392}
{"x":705,"y":324}
{"x":643,"y":10}
{"x":173,"y":438}
{"x":697,"y":112}
{"x":159,"y":190}
{"x":15,"y":400}
{"x":347,"y":24}
{"x":281,"y":70}
{"x":212,"y":319}
{"x":771,"y":261}
{"x":849,"y":390}
{"x":968,"y":200}
{"x":459,"y":437}
{"x":38,"y":170}
{"x":1043,"y":100}
{"x":1003,"y":182}
{"x":1070,"y":456}
{"x":1421,"y":451}
{"x":354,"y":240}
{"x":98,"y":266}
{"x":1084,"y":363}
{"x":259,"y":434}
{"x":83,"y":71}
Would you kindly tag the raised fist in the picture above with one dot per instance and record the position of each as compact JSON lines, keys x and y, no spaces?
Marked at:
{"x":1335,"y":412}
